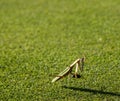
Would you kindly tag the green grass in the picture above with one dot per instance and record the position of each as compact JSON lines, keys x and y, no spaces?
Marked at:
{"x":39,"y":38}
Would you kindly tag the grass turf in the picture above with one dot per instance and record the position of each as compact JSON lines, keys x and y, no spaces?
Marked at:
{"x":39,"y":38}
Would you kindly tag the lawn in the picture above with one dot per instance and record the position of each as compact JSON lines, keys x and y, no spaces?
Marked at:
{"x":40,"y":38}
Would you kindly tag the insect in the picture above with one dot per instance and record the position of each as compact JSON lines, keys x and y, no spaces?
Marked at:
{"x":79,"y":65}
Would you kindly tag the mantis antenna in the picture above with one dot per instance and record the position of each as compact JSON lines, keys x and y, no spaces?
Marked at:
{"x":68,"y":70}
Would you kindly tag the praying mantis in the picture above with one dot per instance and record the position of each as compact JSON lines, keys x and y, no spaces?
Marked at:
{"x":79,"y":65}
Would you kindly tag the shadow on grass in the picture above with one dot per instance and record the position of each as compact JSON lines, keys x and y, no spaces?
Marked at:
{"x":92,"y":91}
